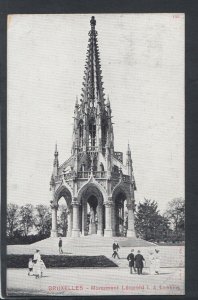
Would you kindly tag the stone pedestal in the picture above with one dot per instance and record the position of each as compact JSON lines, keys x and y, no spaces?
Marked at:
{"x":108,"y":233}
{"x":92,"y":228}
{"x":100,"y":232}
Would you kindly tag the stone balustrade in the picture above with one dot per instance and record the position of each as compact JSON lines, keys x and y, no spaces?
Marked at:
{"x":96,"y":174}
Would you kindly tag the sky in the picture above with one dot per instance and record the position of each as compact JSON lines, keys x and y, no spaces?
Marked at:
{"x":142,"y":59}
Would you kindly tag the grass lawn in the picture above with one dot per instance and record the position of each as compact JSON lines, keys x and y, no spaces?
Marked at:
{"x":182,"y":243}
{"x":64,"y":261}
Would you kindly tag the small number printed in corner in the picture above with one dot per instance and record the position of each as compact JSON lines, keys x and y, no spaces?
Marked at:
{"x":177,"y":16}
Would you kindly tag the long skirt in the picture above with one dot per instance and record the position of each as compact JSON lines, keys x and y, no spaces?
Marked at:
{"x":152,"y":267}
{"x":157,"y":265}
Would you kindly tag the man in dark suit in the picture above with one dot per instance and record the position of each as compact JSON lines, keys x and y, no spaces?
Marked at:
{"x":131,"y":259}
{"x":60,"y":244}
{"x":139,"y":262}
{"x":115,"y":248}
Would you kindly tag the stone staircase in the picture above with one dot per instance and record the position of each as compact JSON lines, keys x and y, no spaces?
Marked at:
{"x":93,"y":241}
{"x":94,"y":245}
{"x":85,"y":245}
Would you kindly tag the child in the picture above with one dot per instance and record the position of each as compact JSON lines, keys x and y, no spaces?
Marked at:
{"x":30,"y":266}
{"x":42,"y":267}
{"x":157,"y":262}
{"x":37,"y":269}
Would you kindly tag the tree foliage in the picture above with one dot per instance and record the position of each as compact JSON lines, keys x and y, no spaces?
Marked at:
{"x":12,"y":219}
{"x":62,"y":220}
{"x":149,"y":223}
{"x":176,"y":214}
{"x":42,"y":219}
{"x":26,"y":218}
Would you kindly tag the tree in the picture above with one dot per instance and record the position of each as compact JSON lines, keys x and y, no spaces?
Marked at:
{"x":42,"y":220}
{"x":12,"y":219}
{"x":176,"y":214}
{"x":26,"y":218}
{"x":62,"y":219}
{"x":149,"y":223}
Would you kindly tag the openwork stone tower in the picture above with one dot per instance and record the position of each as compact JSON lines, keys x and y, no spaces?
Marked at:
{"x":96,"y":184}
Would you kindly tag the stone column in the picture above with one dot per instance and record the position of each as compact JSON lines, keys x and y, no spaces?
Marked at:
{"x":122,"y":210}
{"x":84,"y":218}
{"x":113,"y":219}
{"x":75,"y":229}
{"x":54,"y":232}
{"x":131,"y":227}
{"x":108,"y":219}
{"x":69,"y":224}
{"x":100,"y":220}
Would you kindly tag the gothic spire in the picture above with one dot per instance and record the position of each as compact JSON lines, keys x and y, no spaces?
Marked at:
{"x":92,"y":91}
{"x":56,"y":163}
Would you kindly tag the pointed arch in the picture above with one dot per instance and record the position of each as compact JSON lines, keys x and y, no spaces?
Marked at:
{"x":63,"y":191}
{"x":92,"y":183}
{"x":121,"y":188}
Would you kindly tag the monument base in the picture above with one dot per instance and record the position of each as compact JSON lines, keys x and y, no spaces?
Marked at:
{"x":108,"y":233}
{"x":92,"y":228}
{"x":100,"y":232}
{"x":131,"y":233}
{"x":54,"y":233}
{"x":75,"y":232}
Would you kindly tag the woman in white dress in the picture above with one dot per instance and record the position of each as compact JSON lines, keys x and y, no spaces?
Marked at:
{"x":157,"y":262}
{"x":37,"y":269}
{"x":151,"y":263}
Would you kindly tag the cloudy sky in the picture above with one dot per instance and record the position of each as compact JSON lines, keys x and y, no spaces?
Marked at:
{"x":142,"y":57}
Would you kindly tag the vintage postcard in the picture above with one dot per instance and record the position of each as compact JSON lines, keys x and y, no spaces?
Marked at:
{"x":95,"y":154}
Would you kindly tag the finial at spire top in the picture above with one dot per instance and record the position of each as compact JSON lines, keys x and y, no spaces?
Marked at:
{"x":129,"y":149}
{"x":76,"y":101}
{"x":56,"y":149}
{"x":93,"y":22}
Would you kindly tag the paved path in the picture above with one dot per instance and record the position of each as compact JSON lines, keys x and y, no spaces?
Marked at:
{"x":171,"y":256}
{"x":110,"y":281}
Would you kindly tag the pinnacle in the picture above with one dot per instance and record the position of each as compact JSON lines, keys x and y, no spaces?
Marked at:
{"x":56,"y":149}
{"x":129,"y":150}
{"x":92,"y":79}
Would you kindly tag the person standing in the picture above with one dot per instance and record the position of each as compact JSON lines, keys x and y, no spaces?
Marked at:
{"x":115,"y":247}
{"x":30,"y":266}
{"x":37,"y":269}
{"x":37,"y":256}
{"x":139,"y":262}
{"x":151,"y":263}
{"x":157,"y":262}
{"x":131,"y":260}
{"x":42,"y":267}
{"x":60,"y":244}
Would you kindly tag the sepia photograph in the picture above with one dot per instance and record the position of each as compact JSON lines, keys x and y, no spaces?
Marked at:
{"x":95,"y":154}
